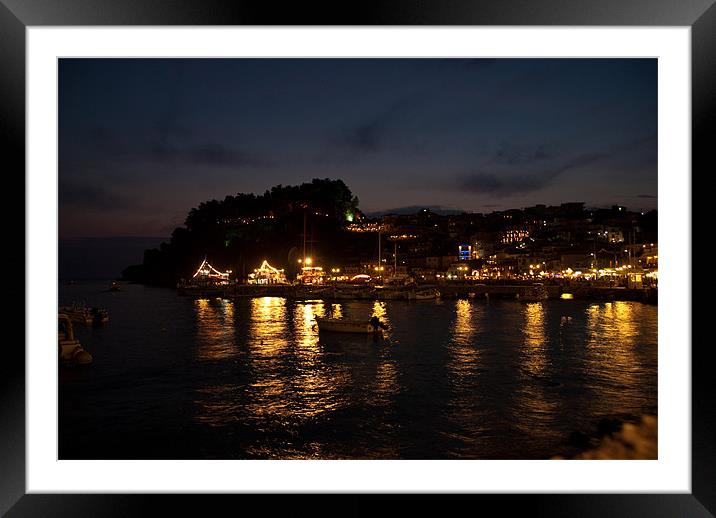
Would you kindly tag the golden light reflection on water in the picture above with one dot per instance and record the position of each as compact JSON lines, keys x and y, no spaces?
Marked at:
{"x":268,"y":343}
{"x":386,"y":373}
{"x":464,"y":367}
{"x":612,"y":332}
{"x":464,"y":352}
{"x":336,"y":311}
{"x":315,"y":385}
{"x":380,"y":311}
{"x":215,"y":329}
{"x":463,"y":330}
{"x":534,"y":352}
{"x":532,"y":402}
{"x":288,"y":380}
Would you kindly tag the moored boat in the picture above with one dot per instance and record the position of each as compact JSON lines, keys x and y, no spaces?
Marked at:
{"x":70,"y":350}
{"x":392,"y":293}
{"x":349,"y":326}
{"x":85,"y":314}
{"x":534,"y":294}
{"x":423,"y":294}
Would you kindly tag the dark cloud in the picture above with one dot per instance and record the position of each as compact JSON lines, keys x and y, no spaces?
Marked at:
{"x":365,"y":138}
{"x":211,"y":154}
{"x":508,"y":184}
{"x":166,"y":141}
{"x":372,"y":135}
{"x":513,"y":169}
{"x":511,"y":154}
{"x":88,"y":196}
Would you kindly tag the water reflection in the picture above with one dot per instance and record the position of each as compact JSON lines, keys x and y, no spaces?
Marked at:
{"x":315,"y":384}
{"x":522,"y":370}
{"x":215,"y":329}
{"x":216,"y":341}
{"x":535,"y":340}
{"x":464,"y":368}
{"x":335,"y":311}
{"x":612,"y":332}
{"x":464,"y":352}
{"x":380,"y":311}
{"x":268,"y":343}
{"x":535,"y":400}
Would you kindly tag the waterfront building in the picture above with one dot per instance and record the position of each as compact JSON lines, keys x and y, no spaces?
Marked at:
{"x":311,"y":275}
{"x":207,"y":273}
{"x":267,"y":274}
{"x":205,"y":277}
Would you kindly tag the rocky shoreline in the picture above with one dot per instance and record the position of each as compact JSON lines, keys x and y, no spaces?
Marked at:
{"x":632,"y":441}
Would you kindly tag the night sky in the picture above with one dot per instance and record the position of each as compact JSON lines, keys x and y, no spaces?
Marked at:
{"x":144,"y":140}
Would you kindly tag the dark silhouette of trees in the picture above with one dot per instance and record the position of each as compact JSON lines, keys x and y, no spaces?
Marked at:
{"x":242,"y":230}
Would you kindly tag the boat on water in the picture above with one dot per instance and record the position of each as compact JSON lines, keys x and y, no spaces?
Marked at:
{"x":87,"y":315}
{"x":352,"y":292}
{"x":340,"y":325}
{"x":423,"y":294}
{"x":115,"y":286}
{"x":534,"y":294}
{"x":202,"y":291}
{"x":70,"y":350}
{"x":392,"y":293}
{"x":309,"y":291}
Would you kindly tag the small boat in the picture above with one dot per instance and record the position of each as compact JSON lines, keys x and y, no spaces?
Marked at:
{"x":85,"y":315}
{"x":349,"y":326}
{"x":70,"y":350}
{"x":424,"y":294}
{"x":115,"y":286}
{"x":534,"y":294}
{"x":392,"y":293}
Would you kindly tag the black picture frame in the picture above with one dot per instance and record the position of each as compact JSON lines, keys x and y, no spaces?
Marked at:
{"x":17,"y":15}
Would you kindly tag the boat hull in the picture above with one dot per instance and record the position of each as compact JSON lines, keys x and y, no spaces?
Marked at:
{"x":85,"y":315}
{"x":346,"y":326}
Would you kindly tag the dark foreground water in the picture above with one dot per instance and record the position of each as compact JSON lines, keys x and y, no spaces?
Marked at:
{"x":180,"y":378}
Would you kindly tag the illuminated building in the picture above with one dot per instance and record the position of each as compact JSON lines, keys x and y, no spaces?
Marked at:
{"x":311,"y":275}
{"x":205,"y":278}
{"x":267,"y":274}
{"x":514,"y":235}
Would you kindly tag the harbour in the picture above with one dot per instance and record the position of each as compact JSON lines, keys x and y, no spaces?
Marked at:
{"x":483,"y":289}
{"x":183,"y":377}
{"x":359,"y":259}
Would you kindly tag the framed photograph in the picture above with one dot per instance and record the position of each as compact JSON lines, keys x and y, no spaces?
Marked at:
{"x":413,"y":250}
